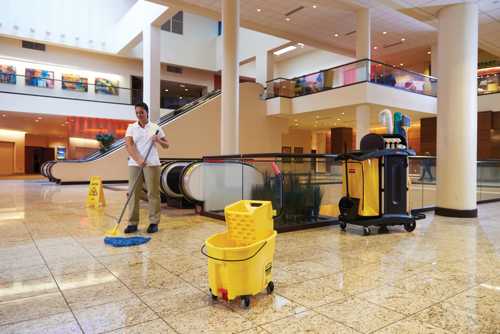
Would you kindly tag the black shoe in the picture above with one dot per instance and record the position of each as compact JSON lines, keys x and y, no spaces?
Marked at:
{"x":153,"y":228}
{"x":130,"y":229}
{"x":420,"y":179}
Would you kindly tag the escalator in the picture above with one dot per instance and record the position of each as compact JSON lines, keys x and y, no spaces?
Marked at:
{"x":48,"y":169}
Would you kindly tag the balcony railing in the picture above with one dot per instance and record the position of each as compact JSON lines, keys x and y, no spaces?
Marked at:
{"x":352,"y":73}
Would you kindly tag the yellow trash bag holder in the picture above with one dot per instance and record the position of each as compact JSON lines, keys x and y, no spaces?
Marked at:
{"x":240,"y":260}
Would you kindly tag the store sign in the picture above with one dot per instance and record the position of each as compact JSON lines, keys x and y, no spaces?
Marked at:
{"x":486,"y":64}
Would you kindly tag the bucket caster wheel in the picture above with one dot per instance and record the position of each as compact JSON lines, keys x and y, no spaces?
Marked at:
{"x":343,"y":226}
{"x":409,"y":227}
{"x":366,"y":231}
{"x":270,"y":287}
{"x":212,"y":296}
{"x":245,"y":301}
{"x":383,"y":230}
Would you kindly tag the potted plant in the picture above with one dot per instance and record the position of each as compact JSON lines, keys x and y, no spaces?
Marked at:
{"x":105,"y":140}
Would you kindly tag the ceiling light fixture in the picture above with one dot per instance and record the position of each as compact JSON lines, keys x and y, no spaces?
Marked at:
{"x":183,"y":85}
{"x":314,"y":6}
{"x":288,"y":19}
{"x":4,"y":115}
{"x":297,"y":124}
{"x":39,"y":118}
{"x":403,"y":39}
{"x":428,"y":52}
{"x":258,"y":10}
{"x":336,"y":35}
{"x":401,"y":64}
{"x":338,"y":119}
{"x":180,"y":97}
{"x":317,"y":116}
{"x":36,"y":120}
{"x":343,"y":113}
{"x":385,"y":32}
{"x":166,"y":90}
{"x":186,"y":89}
{"x":334,"y":123}
{"x":375,"y":47}
{"x":290,"y":48}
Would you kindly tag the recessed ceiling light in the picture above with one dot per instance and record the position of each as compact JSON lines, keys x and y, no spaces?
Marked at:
{"x":295,"y":120}
{"x":186,"y":89}
{"x":375,"y":47}
{"x":71,"y":120}
{"x":62,"y":124}
{"x":180,"y":97}
{"x":343,"y":113}
{"x":385,"y":32}
{"x":288,"y":19}
{"x":402,"y":39}
{"x":297,"y":124}
{"x":39,"y":118}
{"x":290,"y":48}
{"x":66,"y":122}
{"x":183,"y":86}
{"x":317,"y":116}
{"x":428,"y":52}
{"x":166,"y":90}
{"x":336,"y":35}
{"x":36,"y":120}
{"x":315,"y":126}
{"x":258,"y":10}
{"x":4,"y":115}
{"x":401,"y":64}
{"x":316,"y":121}
{"x":338,"y":119}
{"x":334,"y":123}
{"x":314,"y":6}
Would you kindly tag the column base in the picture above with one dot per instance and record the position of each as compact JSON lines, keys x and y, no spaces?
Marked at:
{"x":456,"y":213}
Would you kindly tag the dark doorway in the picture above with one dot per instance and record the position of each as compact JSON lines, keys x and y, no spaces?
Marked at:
{"x":137,"y":90}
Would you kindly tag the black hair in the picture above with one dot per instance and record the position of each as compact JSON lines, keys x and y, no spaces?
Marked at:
{"x":142,"y":105}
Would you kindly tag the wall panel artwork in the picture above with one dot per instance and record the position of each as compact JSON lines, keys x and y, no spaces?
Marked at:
{"x":74,"y":82}
{"x":106,"y":86}
{"x":39,"y":78}
{"x":8,"y":74}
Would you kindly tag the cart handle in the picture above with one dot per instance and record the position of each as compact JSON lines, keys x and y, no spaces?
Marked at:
{"x":282,"y":192}
{"x":213,"y":258}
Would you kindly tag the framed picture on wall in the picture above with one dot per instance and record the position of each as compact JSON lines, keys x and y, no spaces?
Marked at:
{"x":286,"y":150}
{"x":74,"y":82}
{"x":8,"y":74}
{"x":106,"y":86}
{"x":39,"y":78}
{"x":298,"y":150}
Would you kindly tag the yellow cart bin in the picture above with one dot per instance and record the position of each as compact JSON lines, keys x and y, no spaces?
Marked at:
{"x":252,"y":271}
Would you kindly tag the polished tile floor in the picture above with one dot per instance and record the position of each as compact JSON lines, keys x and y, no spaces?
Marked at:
{"x":58,"y":276}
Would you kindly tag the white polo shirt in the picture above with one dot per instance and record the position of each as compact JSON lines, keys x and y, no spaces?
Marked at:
{"x":142,"y":141}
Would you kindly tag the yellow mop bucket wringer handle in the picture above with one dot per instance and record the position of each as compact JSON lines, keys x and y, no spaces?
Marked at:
{"x":213,"y":258}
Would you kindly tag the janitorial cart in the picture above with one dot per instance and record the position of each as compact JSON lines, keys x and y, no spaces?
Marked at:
{"x":240,"y":260}
{"x":377,"y":178}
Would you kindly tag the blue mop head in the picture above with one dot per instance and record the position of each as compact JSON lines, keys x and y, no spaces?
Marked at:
{"x":121,"y":242}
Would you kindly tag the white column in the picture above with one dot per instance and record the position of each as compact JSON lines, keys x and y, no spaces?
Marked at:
{"x":362,"y":42}
{"x":230,"y":77}
{"x":362,"y":122}
{"x":434,"y":67}
{"x":151,"y":68}
{"x":264,"y":70}
{"x":457,"y":111}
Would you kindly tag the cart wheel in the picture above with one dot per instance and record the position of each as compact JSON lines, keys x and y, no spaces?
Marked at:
{"x":409,"y":227}
{"x":245,"y":301}
{"x":383,"y":229}
{"x":366,"y":231}
{"x":270,"y":287}
{"x":212,"y":296}
{"x":343,"y":225}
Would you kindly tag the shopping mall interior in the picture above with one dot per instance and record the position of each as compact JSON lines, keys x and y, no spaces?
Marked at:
{"x":292,"y":106}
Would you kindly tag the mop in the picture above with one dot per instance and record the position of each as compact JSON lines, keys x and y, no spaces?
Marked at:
{"x":113,"y":236}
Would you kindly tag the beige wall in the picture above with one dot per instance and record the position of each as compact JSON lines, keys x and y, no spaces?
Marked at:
{"x":17,"y":138}
{"x":297,"y":138}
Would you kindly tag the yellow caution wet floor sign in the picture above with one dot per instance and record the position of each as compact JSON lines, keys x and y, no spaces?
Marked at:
{"x":96,"y":193}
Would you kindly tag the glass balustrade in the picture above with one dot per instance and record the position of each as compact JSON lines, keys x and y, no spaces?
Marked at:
{"x":313,"y":185}
{"x":352,"y":73}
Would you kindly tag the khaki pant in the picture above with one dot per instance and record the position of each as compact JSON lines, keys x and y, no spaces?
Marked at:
{"x":150,"y":175}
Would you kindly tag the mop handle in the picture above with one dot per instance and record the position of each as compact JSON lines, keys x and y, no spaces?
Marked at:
{"x":136,"y":179}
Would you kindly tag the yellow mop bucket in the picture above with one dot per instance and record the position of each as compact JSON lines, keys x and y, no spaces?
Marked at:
{"x":240,"y":260}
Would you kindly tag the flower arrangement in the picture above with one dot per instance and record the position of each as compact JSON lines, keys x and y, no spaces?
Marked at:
{"x":105,"y":140}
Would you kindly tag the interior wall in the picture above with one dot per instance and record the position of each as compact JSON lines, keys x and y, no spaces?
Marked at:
{"x":46,"y":141}
{"x":297,"y":138}
{"x":309,"y":62}
{"x":17,"y":138}
{"x":7,"y":158}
